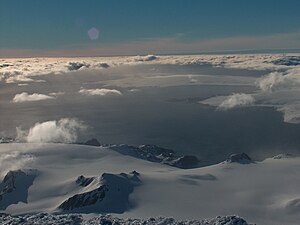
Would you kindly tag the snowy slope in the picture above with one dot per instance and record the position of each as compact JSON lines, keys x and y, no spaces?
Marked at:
{"x":262,"y":192}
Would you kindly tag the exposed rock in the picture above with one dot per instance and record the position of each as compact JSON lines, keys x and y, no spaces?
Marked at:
{"x":103,"y":65}
{"x":111,"y":196}
{"x":15,"y":181}
{"x":4,"y":140}
{"x":42,"y":219}
{"x":78,"y":219}
{"x":156,"y":150}
{"x":157,"y":154}
{"x":84,"y":181}
{"x":151,"y":153}
{"x":84,"y":199}
{"x":135,"y":173}
{"x":283,"y":156}
{"x":185,"y":162}
{"x":92,"y":142}
{"x":241,"y":158}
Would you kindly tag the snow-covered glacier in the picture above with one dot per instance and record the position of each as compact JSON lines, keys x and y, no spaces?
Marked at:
{"x":60,"y":179}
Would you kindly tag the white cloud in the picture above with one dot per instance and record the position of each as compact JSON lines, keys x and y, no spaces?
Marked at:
{"x":25,"y":97}
{"x":22,"y":85}
{"x":62,"y":131}
{"x":279,"y":80}
{"x":101,"y":92}
{"x":55,"y":94}
{"x":269,"y":82}
{"x":291,"y":112}
{"x":236,"y":100}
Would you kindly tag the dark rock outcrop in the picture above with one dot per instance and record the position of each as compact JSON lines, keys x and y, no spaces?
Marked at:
{"x":111,"y":195}
{"x":92,"y":142}
{"x":103,"y":65}
{"x":14,"y":187}
{"x":84,"y":199}
{"x":157,"y":154}
{"x":4,"y":140}
{"x":84,"y":181}
{"x":241,"y":158}
{"x":283,"y":156}
{"x":185,"y":162}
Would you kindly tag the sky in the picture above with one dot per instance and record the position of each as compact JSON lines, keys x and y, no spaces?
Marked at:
{"x":126,"y":27}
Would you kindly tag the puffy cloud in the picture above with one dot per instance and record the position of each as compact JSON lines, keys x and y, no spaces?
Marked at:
{"x":101,"y":92}
{"x":55,"y":94}
{"x":15,"y":76}
{"x":62,"y":131}
{"x":229,"y":102}
{"x":281,"y":90}
{"x":236,"y":100}
{"x":25,"y":97}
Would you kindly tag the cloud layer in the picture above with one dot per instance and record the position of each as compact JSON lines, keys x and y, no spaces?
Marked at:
{"x":25,"y":97}
{"x":277,"y":89}
{"x":62,"y":131}
{"x":26,"y":70}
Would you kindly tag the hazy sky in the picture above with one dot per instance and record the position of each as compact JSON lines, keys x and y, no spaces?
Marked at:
{"x":60,"y":28}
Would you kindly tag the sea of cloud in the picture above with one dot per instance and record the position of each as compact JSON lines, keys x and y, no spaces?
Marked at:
{"x":24,"y":70}
{"x":279,"y":88}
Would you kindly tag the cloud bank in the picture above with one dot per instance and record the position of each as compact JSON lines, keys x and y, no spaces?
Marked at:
{"x":26,"y":70}
{"x":25,"y":97}
{"x":62,"y":131}
{"x":100,"y":92}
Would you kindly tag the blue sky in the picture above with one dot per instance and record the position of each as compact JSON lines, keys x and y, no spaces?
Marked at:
{"x":60,"y":27}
